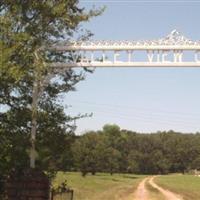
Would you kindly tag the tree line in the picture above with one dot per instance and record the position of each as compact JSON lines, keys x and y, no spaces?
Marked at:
{"x":113,"y":150}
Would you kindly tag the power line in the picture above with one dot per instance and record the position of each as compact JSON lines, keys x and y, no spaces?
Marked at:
{"x":154,"y":117}
{"x":153,"y":112}
{"x":142,"y":118}
{"x":134,"y":120}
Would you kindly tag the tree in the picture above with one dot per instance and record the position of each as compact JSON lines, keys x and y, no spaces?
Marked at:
{"x":133,"y":161}
{"x":196,"y":163}
{"x":86,"y":154}
{"x":114,"y":141}
{"x":112,"y":135}
{"x":27,"y":27}
{"x":112,"y":160}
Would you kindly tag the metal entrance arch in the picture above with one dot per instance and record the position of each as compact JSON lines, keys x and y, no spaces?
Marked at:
{"x":174,"y":50}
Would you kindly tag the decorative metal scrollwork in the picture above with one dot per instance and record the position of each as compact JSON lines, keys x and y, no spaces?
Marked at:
{"x":174,"y":38}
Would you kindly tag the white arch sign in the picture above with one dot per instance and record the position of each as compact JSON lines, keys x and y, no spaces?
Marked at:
{"x":175,"y":50}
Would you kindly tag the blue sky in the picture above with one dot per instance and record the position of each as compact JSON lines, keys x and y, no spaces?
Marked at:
{"x":140,"y":99}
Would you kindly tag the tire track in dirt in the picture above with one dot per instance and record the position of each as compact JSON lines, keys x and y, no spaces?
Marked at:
{"x":141,"y":192}
{"x":168,"y":194}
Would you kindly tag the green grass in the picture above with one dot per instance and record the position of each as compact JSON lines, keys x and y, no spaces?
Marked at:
{"x":101,"y":186}
{"x":122,"y":186}
{"x":188,"y":186}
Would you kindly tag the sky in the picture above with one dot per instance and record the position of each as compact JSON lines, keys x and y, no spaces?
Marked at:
{"x":140,"y":99}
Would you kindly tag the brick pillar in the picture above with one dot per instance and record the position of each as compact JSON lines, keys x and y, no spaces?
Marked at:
{"x":31,"y":185}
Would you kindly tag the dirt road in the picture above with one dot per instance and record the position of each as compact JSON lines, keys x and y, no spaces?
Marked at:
{"x":167,"y":194}
{"x":143,"y":194}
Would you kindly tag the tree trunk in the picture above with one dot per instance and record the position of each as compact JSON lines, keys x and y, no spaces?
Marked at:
{"x":34,"y":125}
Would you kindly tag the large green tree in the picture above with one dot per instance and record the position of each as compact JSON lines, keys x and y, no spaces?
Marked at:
{"x":86,"y":153}
{"x":26,"y":27}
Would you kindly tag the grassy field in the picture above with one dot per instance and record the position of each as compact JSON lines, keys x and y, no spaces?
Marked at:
{"x":122,"y":186}
{"x":188,"y":186}
{"x":101,"y":186}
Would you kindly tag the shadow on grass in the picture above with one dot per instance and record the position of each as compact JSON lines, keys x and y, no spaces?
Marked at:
{"x":130,"y":177}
